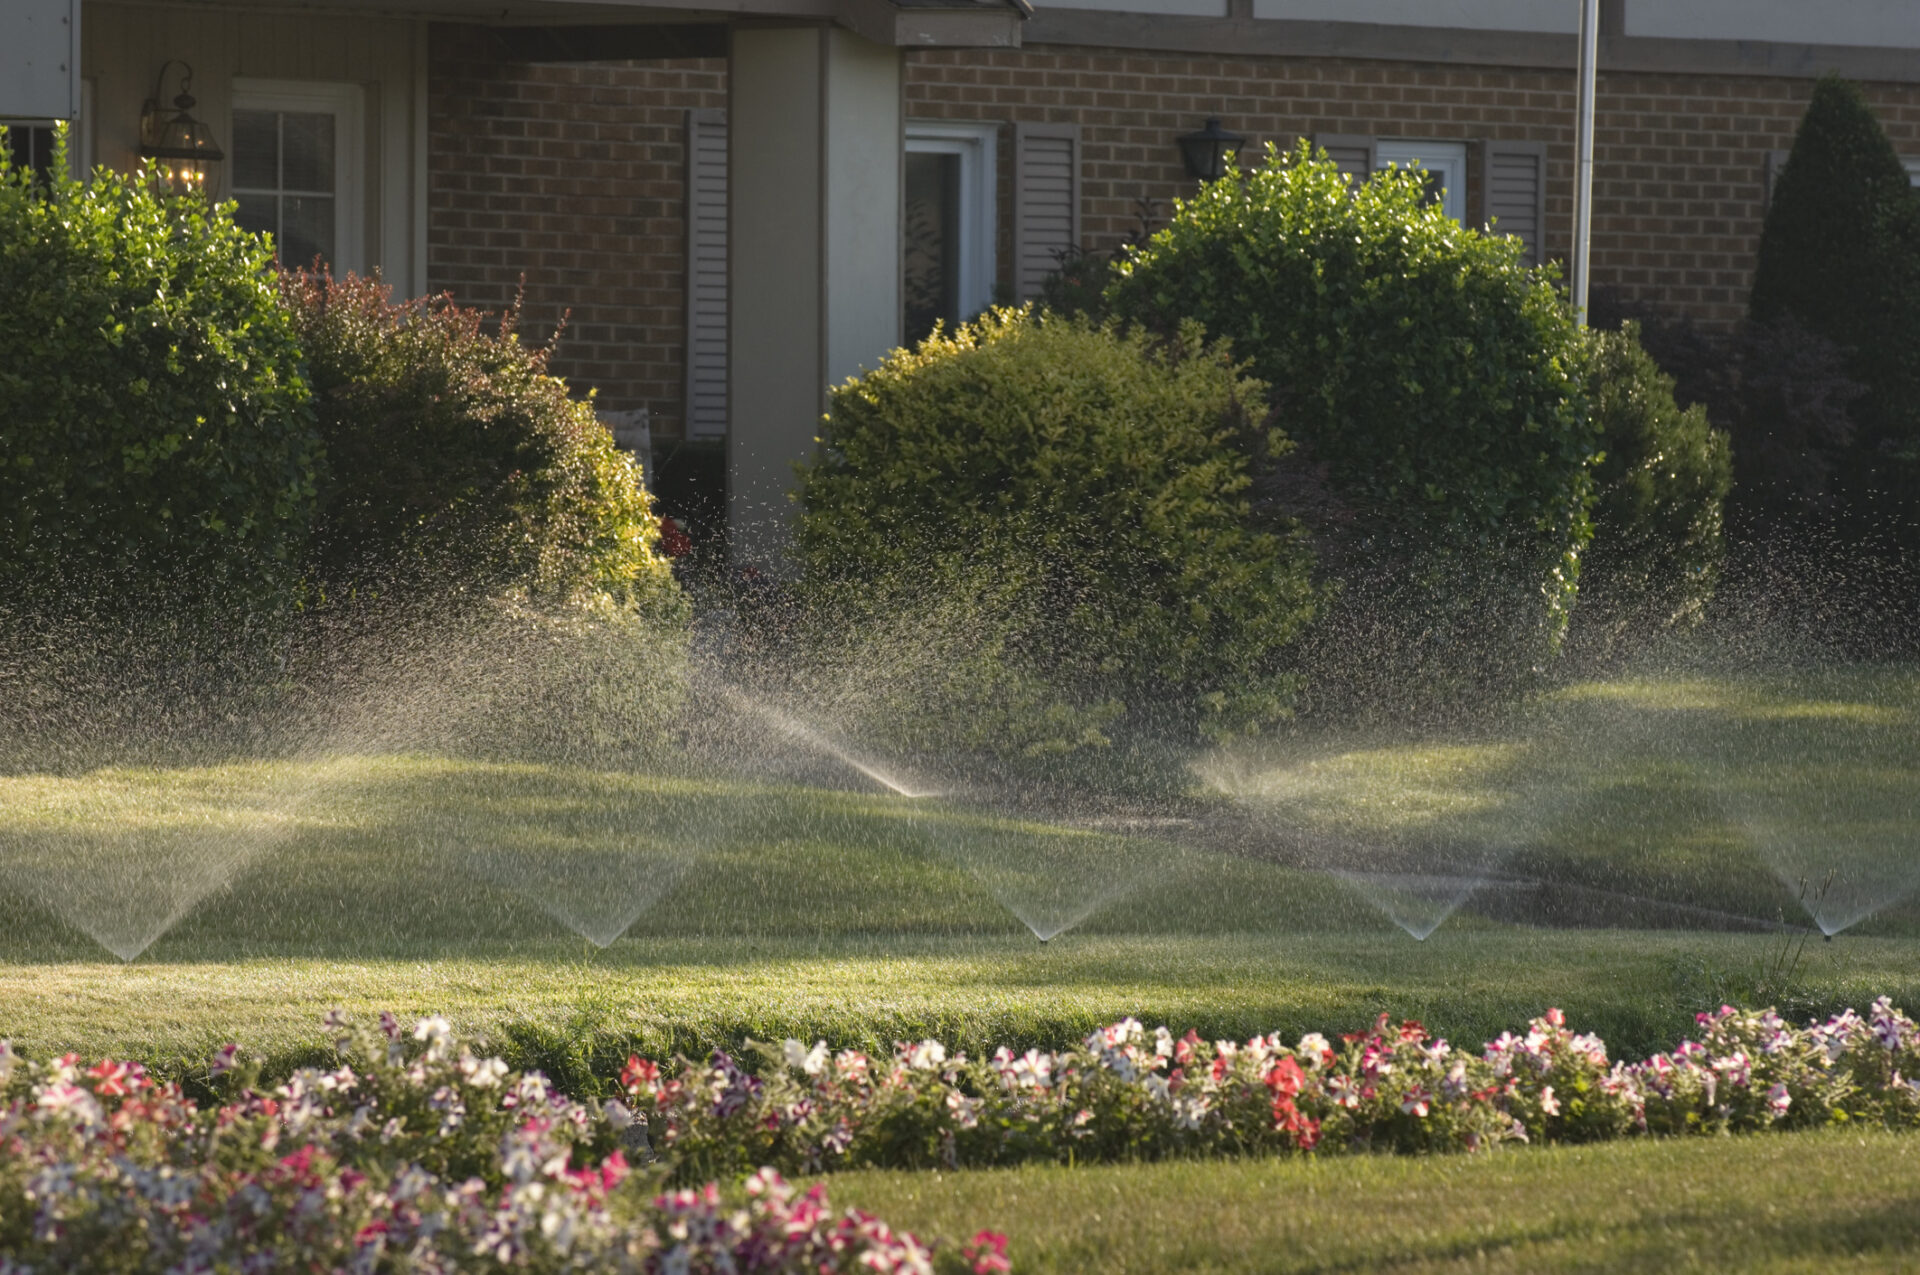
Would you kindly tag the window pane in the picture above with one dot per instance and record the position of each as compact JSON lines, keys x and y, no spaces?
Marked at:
{"x":256,"y":150}
{"x":258,"y":213}
{"x":31,"y":147}
{"x":309,"y":142}
{"x":306,"y":230}
{"x":931,"y":261}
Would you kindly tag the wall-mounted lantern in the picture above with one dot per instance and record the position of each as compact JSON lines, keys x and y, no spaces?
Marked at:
{"x":183,"y":145}
{"x":1208,"y":152}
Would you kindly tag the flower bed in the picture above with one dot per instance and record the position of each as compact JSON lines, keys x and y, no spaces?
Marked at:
{"x":1130,"y":1094}
{"x":416,"y":1154}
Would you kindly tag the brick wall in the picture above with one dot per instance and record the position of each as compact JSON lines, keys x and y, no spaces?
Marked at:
{"x":571,"y":174}
{"x":1680,"y":160}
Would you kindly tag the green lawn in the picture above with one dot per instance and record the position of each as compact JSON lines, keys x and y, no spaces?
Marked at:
{"x":1603,"y":840}
{"x":1765,"y":1203}
{"x":257,"y":894}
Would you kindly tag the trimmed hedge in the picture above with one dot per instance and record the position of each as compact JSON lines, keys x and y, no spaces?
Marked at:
{"x":1051,"y":523}
{"x":158,"y":447}
{"x":1432,"y":375}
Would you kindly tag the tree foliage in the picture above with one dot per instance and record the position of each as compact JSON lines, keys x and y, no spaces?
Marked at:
{"x":1840,"y":253}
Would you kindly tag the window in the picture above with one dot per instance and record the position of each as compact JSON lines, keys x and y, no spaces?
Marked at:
{"x":1913,"y":170}
{"x":29,"y":143}
{"x":1445,"y":164}
{"x":30,"y":146}
{"x":947,"y":239}
{"x":295,"y":164}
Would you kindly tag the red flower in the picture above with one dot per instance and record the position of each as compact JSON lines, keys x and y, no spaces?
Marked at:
{"x":987,"y":1251}
{"x":639,"y":1073}
{"x":1285,"y":1077}
{"x":112,"y":1079}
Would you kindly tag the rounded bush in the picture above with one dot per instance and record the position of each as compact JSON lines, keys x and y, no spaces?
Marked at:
{"x":157,"y":438}
{"x":1430,"y":374}
{"x":1661,"y":485}
{"x":453,"y":456}
{"x":467,"y":495}
{"x":1051,"y":522}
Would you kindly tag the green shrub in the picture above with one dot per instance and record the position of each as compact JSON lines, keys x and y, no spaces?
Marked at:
{"x":450,"y":449}
{"x":1050,"y":524}
{"x":1661,"y":487}
{"x":1840,"y":252}
{"x":1429,"y":373}
{"x":467,"y":494}
{"x":156,"y":439}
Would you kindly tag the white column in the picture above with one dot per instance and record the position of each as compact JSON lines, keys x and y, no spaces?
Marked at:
{"x":814,"y":196}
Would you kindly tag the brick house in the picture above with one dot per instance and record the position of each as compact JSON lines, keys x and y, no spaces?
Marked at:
{"x":738,"y":202}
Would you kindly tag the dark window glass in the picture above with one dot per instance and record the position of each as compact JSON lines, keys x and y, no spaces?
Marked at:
{"x":31,"y":146}
{"x":256,"y":150}
{"x":931,"y":260}
{"x":283,"y":181}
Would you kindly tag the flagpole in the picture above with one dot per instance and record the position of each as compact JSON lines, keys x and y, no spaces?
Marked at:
{"x":1583,"y":155}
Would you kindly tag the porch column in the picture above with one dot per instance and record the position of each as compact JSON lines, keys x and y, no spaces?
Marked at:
{"x":814,"y":197}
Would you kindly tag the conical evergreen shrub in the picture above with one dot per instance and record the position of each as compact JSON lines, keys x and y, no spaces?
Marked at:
{"x":1840,"y":253}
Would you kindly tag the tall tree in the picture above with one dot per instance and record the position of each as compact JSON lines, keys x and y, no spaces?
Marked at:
{"x":1840,"y":253}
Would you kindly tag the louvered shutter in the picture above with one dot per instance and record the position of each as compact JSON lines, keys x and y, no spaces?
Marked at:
{"x":1046,"y":202}
{"x":1354,"y":154}
{"x":706,"y":274}
{"x":1516,"y":193}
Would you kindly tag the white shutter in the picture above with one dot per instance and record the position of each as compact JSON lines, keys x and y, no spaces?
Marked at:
{"x":1516,"y":200}
{"x":1355,"y":155}
{"x":706,"y":408}
{"x":1046,"y":202}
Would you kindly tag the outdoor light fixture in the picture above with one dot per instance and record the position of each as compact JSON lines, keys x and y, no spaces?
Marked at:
{"x":1208,"y":152}
{"x":183,"y":145}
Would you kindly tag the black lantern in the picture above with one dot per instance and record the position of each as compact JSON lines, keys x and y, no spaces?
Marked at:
{"x":1208,"y":152}
{"x":183,"y":145}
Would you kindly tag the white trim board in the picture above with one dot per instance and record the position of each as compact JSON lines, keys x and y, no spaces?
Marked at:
{"x":977,"y":146}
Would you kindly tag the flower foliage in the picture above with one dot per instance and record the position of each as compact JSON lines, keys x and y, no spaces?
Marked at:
{"x":413,"y":1154}
{"x":1130,"y":1094}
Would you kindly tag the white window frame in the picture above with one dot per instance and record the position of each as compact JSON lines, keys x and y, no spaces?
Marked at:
{"x":79,"y":133}
{"x":1912,"y":163}
{"x":976,"y":145}
{"x":347,"y":104}
{"x":1447,"y":160}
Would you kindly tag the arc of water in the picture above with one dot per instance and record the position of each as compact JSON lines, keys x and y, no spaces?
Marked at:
{"x":797,"y":730}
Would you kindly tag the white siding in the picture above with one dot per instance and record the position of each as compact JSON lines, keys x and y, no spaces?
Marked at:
{"x":1554,"y":16}
{"x":1183,"y":8}
{"x":123,"y":46}
{"x":1868,"y":23}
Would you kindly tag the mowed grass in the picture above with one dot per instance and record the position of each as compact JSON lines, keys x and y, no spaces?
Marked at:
{"x":259,"y":894}
{"x":1814,"y":1201}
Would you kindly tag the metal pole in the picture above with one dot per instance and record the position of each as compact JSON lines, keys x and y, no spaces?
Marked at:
{"x":1583,"y":155}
